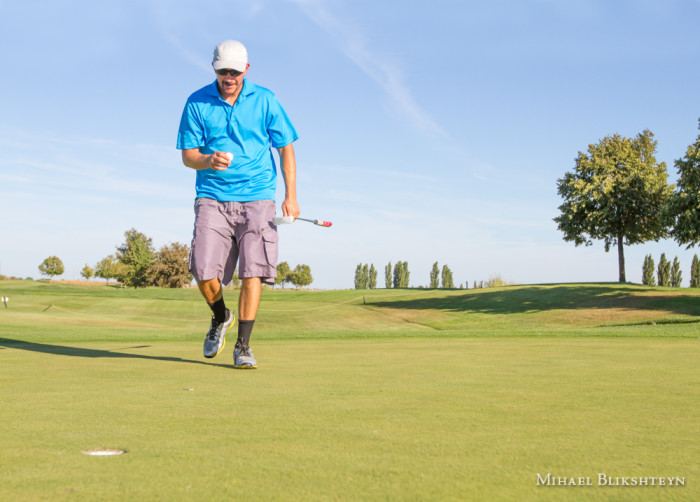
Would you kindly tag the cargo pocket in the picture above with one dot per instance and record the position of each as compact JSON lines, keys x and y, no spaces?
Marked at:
{"x":270,"y":238}
{"x":190,"y":265}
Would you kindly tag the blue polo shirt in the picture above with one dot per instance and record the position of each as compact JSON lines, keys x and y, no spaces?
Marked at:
{"x":248,"y":130}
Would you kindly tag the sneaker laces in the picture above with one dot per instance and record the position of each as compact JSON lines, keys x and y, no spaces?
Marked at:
{"x":214,"y":330}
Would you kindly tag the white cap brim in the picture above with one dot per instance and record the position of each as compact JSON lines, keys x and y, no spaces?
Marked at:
{"x":230,"y":64}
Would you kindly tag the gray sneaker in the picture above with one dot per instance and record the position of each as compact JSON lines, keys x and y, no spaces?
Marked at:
{"x":243,"y":358}
{"x":215,"y":341}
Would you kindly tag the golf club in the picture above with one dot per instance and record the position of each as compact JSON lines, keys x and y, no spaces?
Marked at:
{"x":279,"y":220}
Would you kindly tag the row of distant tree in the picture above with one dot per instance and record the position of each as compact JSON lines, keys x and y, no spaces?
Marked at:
{"x":446,"y":276}
{"x":619,"y":193}
{"x":134,"y":266}
{"x":669,"y":274}
{"x":366,"y":276}
{"x":137,"y":264}
{"x":398,"y":276}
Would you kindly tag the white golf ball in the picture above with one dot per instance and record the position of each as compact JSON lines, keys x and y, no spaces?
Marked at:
{"x":229,"y":155}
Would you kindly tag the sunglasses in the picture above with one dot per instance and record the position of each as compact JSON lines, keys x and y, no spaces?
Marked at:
{"x":223,"y":72}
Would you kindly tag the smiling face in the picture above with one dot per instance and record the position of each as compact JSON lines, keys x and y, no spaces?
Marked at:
{"x":230,"y":83}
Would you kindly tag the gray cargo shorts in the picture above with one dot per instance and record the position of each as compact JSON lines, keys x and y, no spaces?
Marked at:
{"x":226,"y":233}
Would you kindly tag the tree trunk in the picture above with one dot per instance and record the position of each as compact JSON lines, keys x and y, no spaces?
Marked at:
{"x":621,"y":258}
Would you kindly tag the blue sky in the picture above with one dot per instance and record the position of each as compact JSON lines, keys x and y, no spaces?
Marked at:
{"x":429,"y":131}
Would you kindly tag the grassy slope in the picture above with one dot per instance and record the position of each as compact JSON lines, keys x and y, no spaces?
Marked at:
{"x":408,"y":394}
{"x":158,"y":314}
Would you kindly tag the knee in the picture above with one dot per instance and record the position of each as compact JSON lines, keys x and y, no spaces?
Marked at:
{"x":251,"y":283}
{"x":210,"y":289}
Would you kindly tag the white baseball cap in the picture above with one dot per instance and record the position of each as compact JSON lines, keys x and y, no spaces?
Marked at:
{"x":230,"y":54}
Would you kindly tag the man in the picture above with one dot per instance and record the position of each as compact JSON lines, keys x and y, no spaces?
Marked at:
{"x":226,"y":134}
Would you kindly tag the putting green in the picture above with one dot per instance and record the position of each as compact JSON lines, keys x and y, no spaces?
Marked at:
{"x":358,"y":419}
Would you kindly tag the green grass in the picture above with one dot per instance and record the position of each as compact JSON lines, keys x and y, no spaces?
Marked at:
{"x":360,"y":395}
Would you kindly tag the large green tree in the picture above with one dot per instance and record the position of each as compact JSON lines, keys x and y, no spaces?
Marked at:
{"x":51,"y":267}
{"x":617,"y":193}
{"x":137,"y":255}
{"x":387,"y":276}
{"x":684,"y":209}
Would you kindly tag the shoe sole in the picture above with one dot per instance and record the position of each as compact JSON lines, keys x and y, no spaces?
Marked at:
{"x":246,"y":367}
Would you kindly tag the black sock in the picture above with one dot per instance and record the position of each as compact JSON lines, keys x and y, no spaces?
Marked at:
{"x":244,"y":330}
{"x":219,"y":309}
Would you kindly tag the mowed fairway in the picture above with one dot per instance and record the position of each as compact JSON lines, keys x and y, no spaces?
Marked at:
{"x":370,"y":395}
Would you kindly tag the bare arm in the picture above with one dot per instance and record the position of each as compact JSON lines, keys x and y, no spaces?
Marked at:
{"x":218,"y":161}
{"x":290,"y":207}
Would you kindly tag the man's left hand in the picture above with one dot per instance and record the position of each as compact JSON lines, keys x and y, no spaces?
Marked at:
{"x":290,"y":208}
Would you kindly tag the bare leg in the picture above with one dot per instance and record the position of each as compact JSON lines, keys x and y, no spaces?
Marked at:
{"x":248,"y":301}
{"x":210,"y":289}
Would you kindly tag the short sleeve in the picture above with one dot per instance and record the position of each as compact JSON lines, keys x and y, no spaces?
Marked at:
{"x":191,"y":131}
{"x":279,"y":126}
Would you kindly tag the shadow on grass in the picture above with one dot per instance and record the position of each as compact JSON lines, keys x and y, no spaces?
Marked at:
{"x":62,"y":350}
{"x":540,"y":298}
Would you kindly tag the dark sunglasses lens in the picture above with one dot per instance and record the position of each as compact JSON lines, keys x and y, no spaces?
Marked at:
{"x":233,"y":73}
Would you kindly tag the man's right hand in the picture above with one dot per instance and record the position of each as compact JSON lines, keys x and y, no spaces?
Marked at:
{"x":219,"y":161}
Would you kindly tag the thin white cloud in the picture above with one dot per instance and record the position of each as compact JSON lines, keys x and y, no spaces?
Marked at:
{"x":178,"y":27}
{"x":384,"y":72}
{"x":73,"y":167}
{"x":166,"y":25}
